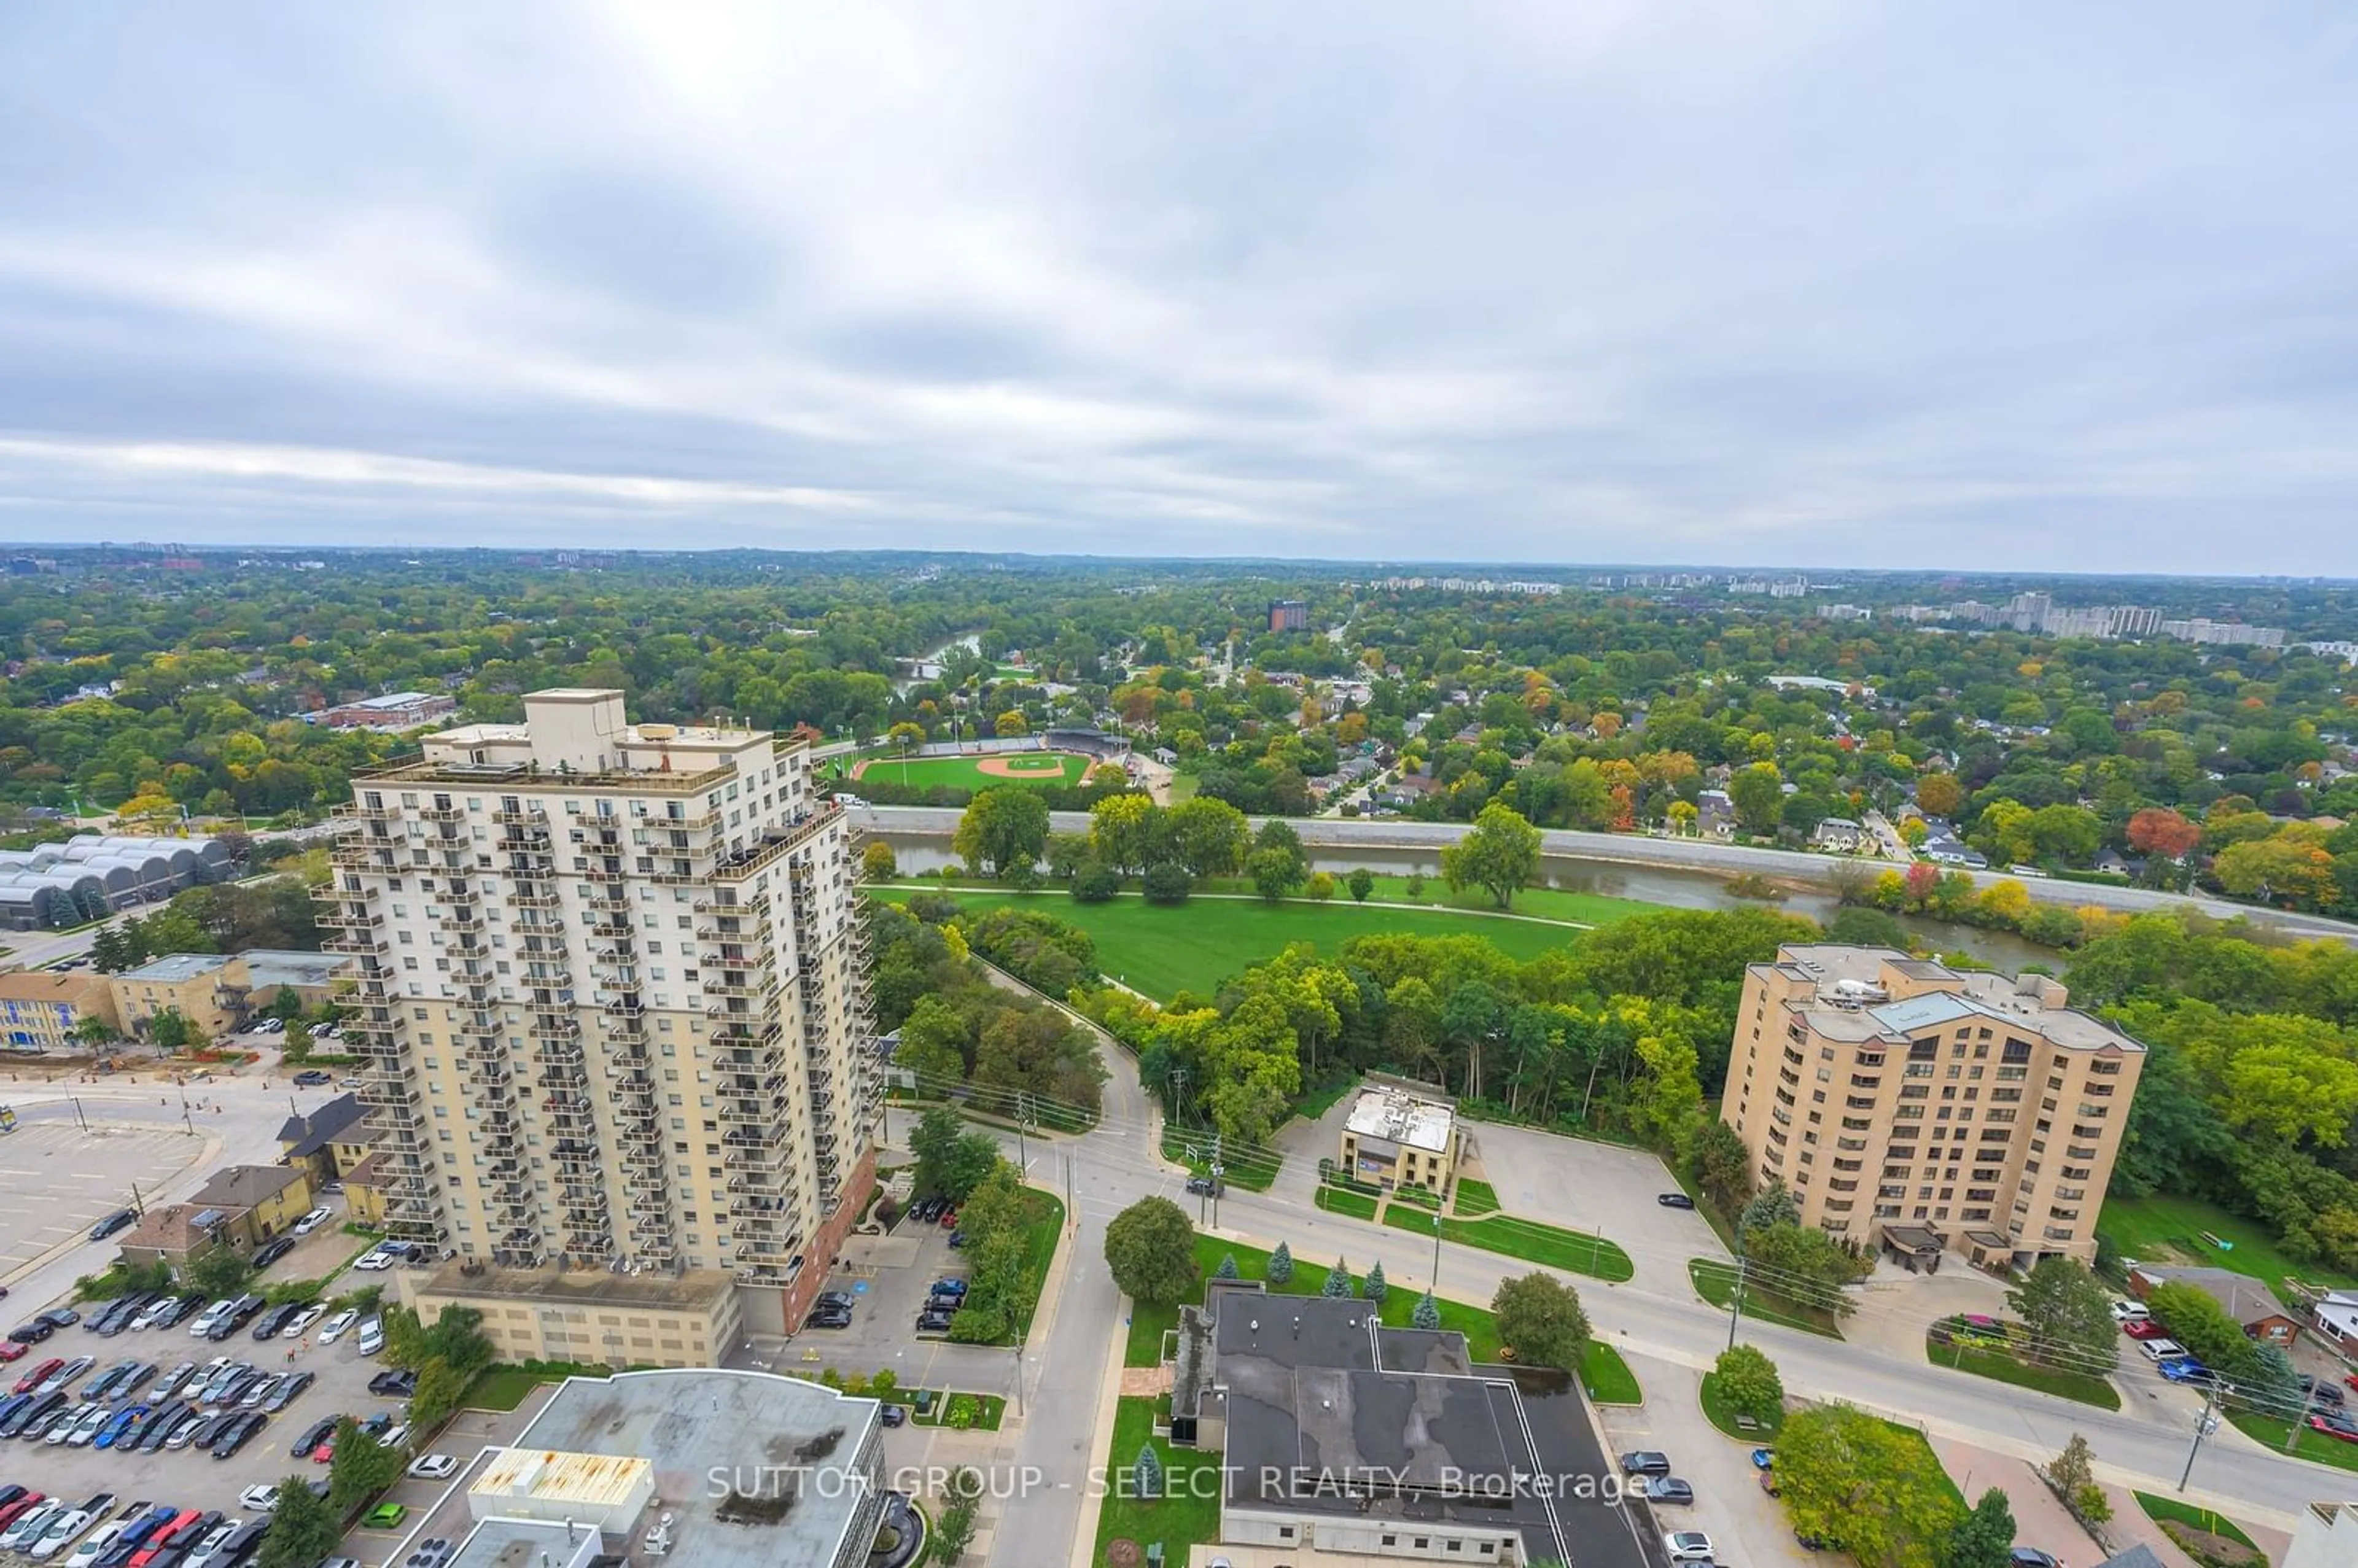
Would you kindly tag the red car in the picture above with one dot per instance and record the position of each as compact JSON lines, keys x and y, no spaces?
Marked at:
{"x":2343,"y":1431}
{"x":11,"y":1351}
{"x":2143,"y":1328}
{"x":39,"y":1374}
{"x":949,"y":1219}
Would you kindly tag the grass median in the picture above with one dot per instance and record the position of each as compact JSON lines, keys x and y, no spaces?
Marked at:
{"x":2000,"y":1366}
{"x":1551,"y":1247}
{"x":1715,"y":1282}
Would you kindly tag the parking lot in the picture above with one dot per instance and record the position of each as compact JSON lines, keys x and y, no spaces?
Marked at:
{"x":62,"y":1180}
{"x":1745,"y":1523}
{"x":190,"y":1476}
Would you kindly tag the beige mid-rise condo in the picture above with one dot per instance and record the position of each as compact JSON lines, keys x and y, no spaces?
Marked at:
{"x":613,"y":989}
{"x":1922,"y":1109}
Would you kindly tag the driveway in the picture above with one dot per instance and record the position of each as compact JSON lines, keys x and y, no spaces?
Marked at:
{"x":2039,"y":1519}
{"x":1746,"y":1524}
{"x":1582,"y":1186}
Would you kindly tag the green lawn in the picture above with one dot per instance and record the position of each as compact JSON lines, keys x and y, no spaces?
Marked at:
{"x":2169,"y":1230}
{"x":1607,"y":1377}
{"x":1475,"y":1198}
{"x":1574,"y":1251}
{"x":962,"y":1412}
{"x":2270,"y":1431}
{"x":1317,"y":1100}
{"x":2168,"y":1510}
{"x":1042,"y":1230}
{"x":1148,"y":1321}
{"x":1715,"y":1282}
{"x":1192,"y":1147}
{"x":1193,"y":946}
{"x":1338,"y":1200}
{"x":1543,"y":903}
{"x":961,"y":773}
{"x":505,"y":1387}
{"x":1914,"y":1435}
{"x":1187,"y":1512}
{"x":2001,"y":1367}
{"x":1715,"y":1410}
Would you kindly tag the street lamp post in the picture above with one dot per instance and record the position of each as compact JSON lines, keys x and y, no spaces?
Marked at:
{"x":1436,"y":1256}
{"x":2205,"y":1427}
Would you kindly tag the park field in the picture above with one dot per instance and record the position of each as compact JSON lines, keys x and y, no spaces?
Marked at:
{"x":2169,"y":1230}
{"x":974,"y":773}
{"x":1161,"y":950}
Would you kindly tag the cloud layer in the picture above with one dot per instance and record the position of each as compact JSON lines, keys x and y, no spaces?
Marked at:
{"x":1805,"y":283}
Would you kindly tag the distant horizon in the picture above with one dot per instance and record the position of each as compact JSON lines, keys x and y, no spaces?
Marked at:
{"x":1388,"y":564}
{"x":1332,"y":282}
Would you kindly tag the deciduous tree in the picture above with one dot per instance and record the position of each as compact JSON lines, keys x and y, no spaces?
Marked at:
{"x":1499,"y":854}
{"x":1540,"y":1317}
{"x":1875,"y":1490}
{"x":1150,"y":1250}
{"x":1003,"y":829}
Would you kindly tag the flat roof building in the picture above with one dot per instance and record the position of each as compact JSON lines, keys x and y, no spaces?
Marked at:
{"x":1395,"y":1138}
{"x":1921,"y":1108}
{"x":753,"y":1470}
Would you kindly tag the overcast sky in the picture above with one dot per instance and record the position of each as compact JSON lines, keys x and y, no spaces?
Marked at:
{"x":2069,"y":287}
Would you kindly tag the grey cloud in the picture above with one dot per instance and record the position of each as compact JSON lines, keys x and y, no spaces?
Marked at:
{"x":1824,"y":283}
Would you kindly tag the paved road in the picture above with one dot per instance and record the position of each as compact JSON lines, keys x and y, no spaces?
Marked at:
{"x":1655,"y":1315}
{"x":1345,"y":834}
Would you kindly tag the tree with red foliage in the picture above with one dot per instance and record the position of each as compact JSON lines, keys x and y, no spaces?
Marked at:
{"x":1923,"y":876}
{"x":2158,"y":830}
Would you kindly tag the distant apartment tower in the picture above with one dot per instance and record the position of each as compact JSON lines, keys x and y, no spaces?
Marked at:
{"x":613,"y":991}
{"x":1922,"y":1109}
{"x":1288,"y":615}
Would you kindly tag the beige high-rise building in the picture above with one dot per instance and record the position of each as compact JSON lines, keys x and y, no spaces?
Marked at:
{"x":612,"y":984}
{"x":1919,"y":1109}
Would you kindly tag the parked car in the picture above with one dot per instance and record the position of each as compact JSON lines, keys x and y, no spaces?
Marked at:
{"x":1645,"y":1462}
{"x":289,"y":1388}
{"x":300,"y":1323}
{"x":313,"y":1220}
{"x":32,"y":1333}
{"x":2128,"y":1310}
{"x":1688,"y":1546}
{"x":1675,"y":1200}
{"x":334,"y":1329}
{"x":385,"y":1516}
{"x":2186,"y":1369}
{"x":120,"y":1219}
{"x":2031,"y":1557}
{"x":1668,"y":1489}
{"x":2162,"y":1349}
{"x":396,"y":1383}
{"x":313,"y":1435}
{"x":950,"y":1285}
{"x":238,"y":1434}
{"x":2142,"y":1328}
{"x":842,"y":1299}
{"x":269,"y":1252}
{"x":2317,"y":1390}
{"x":933,"y":1323}
{"x":824,"y":1317}
{"x":433,"y":1466}
{"x":372,"y":1339}
{"x":894,"y":1415}
{"x":313,"y":1077}
{"x":261,"y":1499}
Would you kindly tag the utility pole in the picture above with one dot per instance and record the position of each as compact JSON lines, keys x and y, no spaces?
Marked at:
{"x":1178,"y":1090}
{"x":1735,"y":1296}
{"x":1217,"y":1168}
{"x":78,"y":1117}
{"x":2203,"y":1428}
{"x":1022,"y":1150}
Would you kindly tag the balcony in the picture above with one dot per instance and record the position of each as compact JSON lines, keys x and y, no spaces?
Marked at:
{"x":520,"y":815}
{"x":442,"y":811}
{"x":534,"y":899}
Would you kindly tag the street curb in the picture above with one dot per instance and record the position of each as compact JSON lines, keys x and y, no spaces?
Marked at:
{"x":1085,"y":1531}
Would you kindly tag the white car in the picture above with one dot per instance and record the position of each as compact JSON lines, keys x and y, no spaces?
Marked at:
{"x":88,"y":1428}
{"x":58,"y":1533}
{"x":396,"y":1438}
{"x":69,"y":1424}
{"x":2159,"y":1350}
{"x":204,"y":1321}
{"x":26,"y":1529}
{"x":433,"y":1466}
{"x":313,"y":1220}
{"x":152,"y":1311}
{"x":2129,"y":1312}
{"x":372,"y":1336}
{"x":374,"y":1259}
{"x":91,"y":1551}
{"x":261,"y":1499}
{"x":1688,"y":1546}
{"x":301,"y":1323}
{"x":336,"y":1327}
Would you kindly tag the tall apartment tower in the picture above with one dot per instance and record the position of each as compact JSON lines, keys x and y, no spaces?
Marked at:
{"x":1918,"y":1108}
{"x":612,"y":987}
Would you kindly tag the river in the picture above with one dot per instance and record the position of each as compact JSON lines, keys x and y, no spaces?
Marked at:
{"x":1646,"y":885}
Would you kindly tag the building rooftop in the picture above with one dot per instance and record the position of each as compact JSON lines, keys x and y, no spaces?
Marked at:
{"x":290,"y":966}
{"x":751,"y":1427}
{"x":586,"y":1480}
{"x":304,"y":1135}
{"x":50,"y":986}
{"x":1401,"y":1118}
{"x":174,"y":968}
{"x":1856,"y":1001}
{"x":523,"y":1543}
{"x":2242,"y":1297}
{"x":244,"y":1187}
{"x":1320,"y":1421}
{"x":695,"y":1288}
